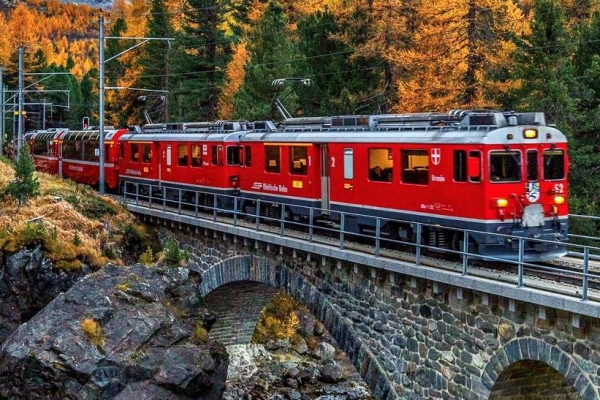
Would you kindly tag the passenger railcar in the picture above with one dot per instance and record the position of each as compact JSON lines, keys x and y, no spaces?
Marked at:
{"x":79,"y":156}
{"x":44,"y":147}
{"x":181,"y":159}
{"x":493,"y":172}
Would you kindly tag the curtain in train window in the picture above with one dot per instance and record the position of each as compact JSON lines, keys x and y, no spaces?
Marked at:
{"x":135,"y":152}
{"x":298,"y":160}
{"x":272,"y":159}
{"x":196,"y":155}
{"x":182,"y":155}
{"x":146,"y":153}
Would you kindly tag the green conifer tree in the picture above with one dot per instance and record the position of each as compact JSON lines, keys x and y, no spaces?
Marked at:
{"x":201,"y":54}
{"x":273,"y":55}
{"x":26,"y":184}
{"x":155,"y":65}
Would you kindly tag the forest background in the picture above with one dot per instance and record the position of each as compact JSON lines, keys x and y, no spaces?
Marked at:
{"x":361,"y":57}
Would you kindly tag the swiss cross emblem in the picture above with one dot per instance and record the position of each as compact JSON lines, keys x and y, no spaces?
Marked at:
{"x":436,"y":156}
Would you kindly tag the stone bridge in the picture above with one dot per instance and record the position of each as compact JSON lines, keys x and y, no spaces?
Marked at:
{"x":409,"y":337}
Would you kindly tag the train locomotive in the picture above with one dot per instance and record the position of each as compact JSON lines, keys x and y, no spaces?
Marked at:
{"x":501,"y":175}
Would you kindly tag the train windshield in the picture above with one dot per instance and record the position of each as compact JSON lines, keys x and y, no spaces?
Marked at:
{"x":505,"y":166}
{"x":554,"y":164}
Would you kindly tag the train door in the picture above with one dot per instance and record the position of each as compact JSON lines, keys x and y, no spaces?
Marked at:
{"x":59,"y":149}
{"x":325,"y":178}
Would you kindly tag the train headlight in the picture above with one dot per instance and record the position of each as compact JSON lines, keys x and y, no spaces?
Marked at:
{"x":559,"y":200}
{"x":500,"y":203}
{"x":530,"y":133}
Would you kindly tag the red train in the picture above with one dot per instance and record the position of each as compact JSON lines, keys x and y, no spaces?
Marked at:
{"x":75,"y":154}
{"x":492,"y":172}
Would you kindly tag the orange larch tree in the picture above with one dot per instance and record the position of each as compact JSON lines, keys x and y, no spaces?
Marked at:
{"x":460,"y":54}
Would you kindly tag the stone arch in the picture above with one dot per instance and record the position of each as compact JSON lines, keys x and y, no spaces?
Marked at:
{"x":250,"y":268}
{"x":536,"y":353}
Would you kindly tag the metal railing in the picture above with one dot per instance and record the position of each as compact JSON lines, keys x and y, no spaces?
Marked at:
{"x":339,"y":230}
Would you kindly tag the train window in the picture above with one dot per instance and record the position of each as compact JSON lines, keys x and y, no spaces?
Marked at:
{"x":247,"y":156}
{"x":298,"y":160}
{"x":233,"y":155}
{"x":272,"y":159}
{"x":78,"y":150}
{"x":41,"y":147}
{"x":217,"y":158}
{"x":146,"y":153}
{"x":460,"y":166}
{"x":68,"y":149}
{"x":532,"y":165}
{"x":348,"y":164}
{"x":121,"y":150}
{"x":381,"y":165}
{"x":415,"y":166}
{"x":505,"y":166}
{"x":135,"y":152}
{"x":554,"y":164}
{"x":182,"y":155}
{"x":90,"y":150}
{"x":196,"y":155}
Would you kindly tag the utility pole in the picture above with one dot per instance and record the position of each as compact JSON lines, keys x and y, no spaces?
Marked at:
{"x":101,"y":105}
{"x":101,"y":89}
{"x":20,"y":116}
{"x":1,"y":111}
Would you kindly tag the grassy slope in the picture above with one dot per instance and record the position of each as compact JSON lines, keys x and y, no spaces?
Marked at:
{"x":68,"y":220}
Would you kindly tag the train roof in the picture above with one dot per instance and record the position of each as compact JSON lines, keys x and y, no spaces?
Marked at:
{"x":44,"y":134}
{"x":219,"y":131}
{"x":454,"y":127}
{"x":91,"y":134}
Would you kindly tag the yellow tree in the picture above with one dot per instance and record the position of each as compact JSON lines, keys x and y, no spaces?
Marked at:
{"x":22,"y":26}
{"x":6,"y":49}
{"x":459,"y":56}
{"x":234,"y":79}
{"x":374,"y":30}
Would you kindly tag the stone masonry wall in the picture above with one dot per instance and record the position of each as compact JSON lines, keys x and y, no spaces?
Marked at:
{"x":416,"y":339}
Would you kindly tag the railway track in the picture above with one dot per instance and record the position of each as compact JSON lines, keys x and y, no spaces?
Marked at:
{"x":564,"y":276}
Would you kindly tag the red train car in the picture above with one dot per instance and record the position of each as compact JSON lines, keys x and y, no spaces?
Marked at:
{"x":493,"y":172}
{"x":79,"y":156}
{"x":182,"y":159}
{"x":44,"y":147}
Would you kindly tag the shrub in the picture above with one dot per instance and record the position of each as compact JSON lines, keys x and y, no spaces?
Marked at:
{"x":173,"y":254}
{"x":278,"y":320}
{"x":77,"y":240}
{"x":34,"y":232}
{"x":92,"y":329}
{"x":147,"y":258}
{"x":199,"y":334}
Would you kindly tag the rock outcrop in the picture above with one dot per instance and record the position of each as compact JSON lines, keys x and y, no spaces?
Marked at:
{"x":118,"y":331}
{"x":28,"y":282}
